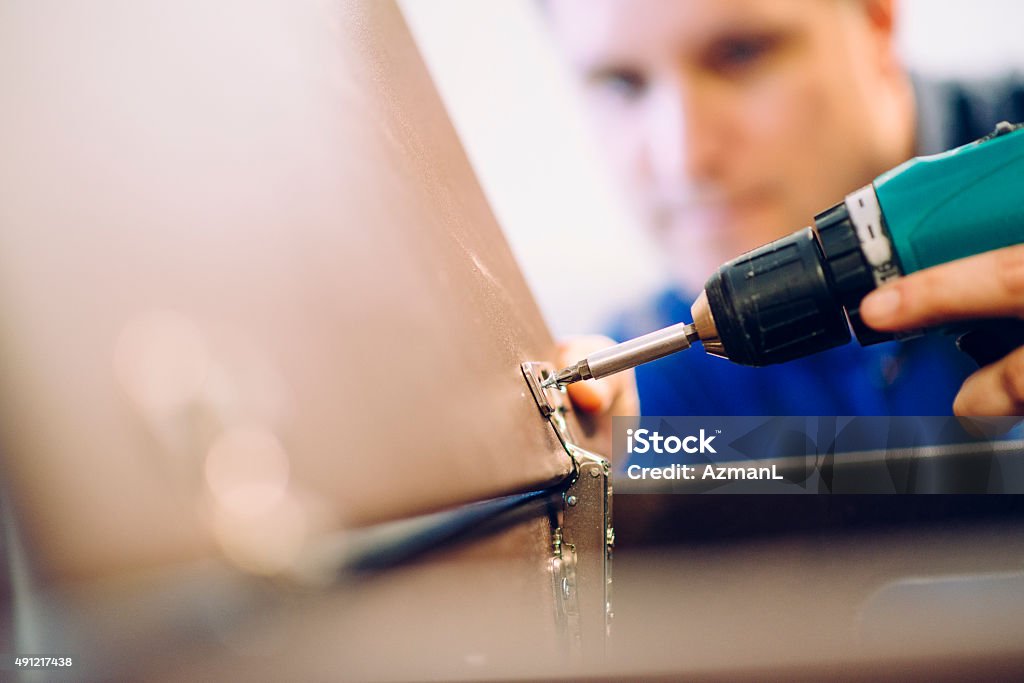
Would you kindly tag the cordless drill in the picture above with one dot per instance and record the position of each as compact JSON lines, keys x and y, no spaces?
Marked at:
{"x":801,"y":294}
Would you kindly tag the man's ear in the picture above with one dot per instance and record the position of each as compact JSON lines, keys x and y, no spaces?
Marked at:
{"x":880,"y":21}
{"x":881,"y":15}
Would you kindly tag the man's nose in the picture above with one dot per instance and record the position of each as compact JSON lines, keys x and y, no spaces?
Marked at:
{"x":684,"y":142}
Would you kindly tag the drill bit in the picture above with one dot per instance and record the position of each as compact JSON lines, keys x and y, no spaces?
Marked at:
{"x":627,"y":355}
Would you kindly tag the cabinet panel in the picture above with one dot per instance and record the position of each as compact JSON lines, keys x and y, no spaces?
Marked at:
{"x":249,"y":285}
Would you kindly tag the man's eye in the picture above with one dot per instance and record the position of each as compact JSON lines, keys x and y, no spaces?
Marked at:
{"x":737,"y":54}
{"x":624,"y":84}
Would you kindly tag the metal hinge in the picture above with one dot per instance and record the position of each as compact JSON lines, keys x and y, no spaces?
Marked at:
{"x":583,"y":536}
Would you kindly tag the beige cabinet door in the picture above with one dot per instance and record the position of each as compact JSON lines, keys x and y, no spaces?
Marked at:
{"x":250,"y":290}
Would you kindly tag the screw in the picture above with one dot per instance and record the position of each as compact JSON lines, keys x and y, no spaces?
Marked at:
{"x":571,"y":500}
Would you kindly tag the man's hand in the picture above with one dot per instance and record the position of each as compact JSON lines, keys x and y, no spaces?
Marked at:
{"x":599,"y":399}
{"x":989,"y":285}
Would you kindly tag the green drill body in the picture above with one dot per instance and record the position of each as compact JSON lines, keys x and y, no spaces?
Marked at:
{"x":955,"y":204}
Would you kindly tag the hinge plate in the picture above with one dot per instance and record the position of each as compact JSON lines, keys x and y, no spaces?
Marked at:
{"x":584,"y":537}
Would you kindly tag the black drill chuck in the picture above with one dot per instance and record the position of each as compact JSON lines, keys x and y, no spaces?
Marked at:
{"x":776,"y":303}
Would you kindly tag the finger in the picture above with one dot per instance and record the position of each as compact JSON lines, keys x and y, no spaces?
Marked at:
{"x":983,"y":286}
{"x":592,"y":396}
{"x":615,"y":394}
{"x":625,"y":397}
{"x":996,"y":389}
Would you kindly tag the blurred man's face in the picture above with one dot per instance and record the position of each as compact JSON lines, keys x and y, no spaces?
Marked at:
{"x":733,"y":122}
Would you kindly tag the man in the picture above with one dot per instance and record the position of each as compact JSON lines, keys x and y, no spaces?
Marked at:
{"x":732,"y":124}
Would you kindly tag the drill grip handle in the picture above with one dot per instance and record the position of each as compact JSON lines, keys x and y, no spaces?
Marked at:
{"x":991,"y":340}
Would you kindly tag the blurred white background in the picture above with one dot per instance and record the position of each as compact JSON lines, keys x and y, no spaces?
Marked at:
{"x":512,"y":101}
